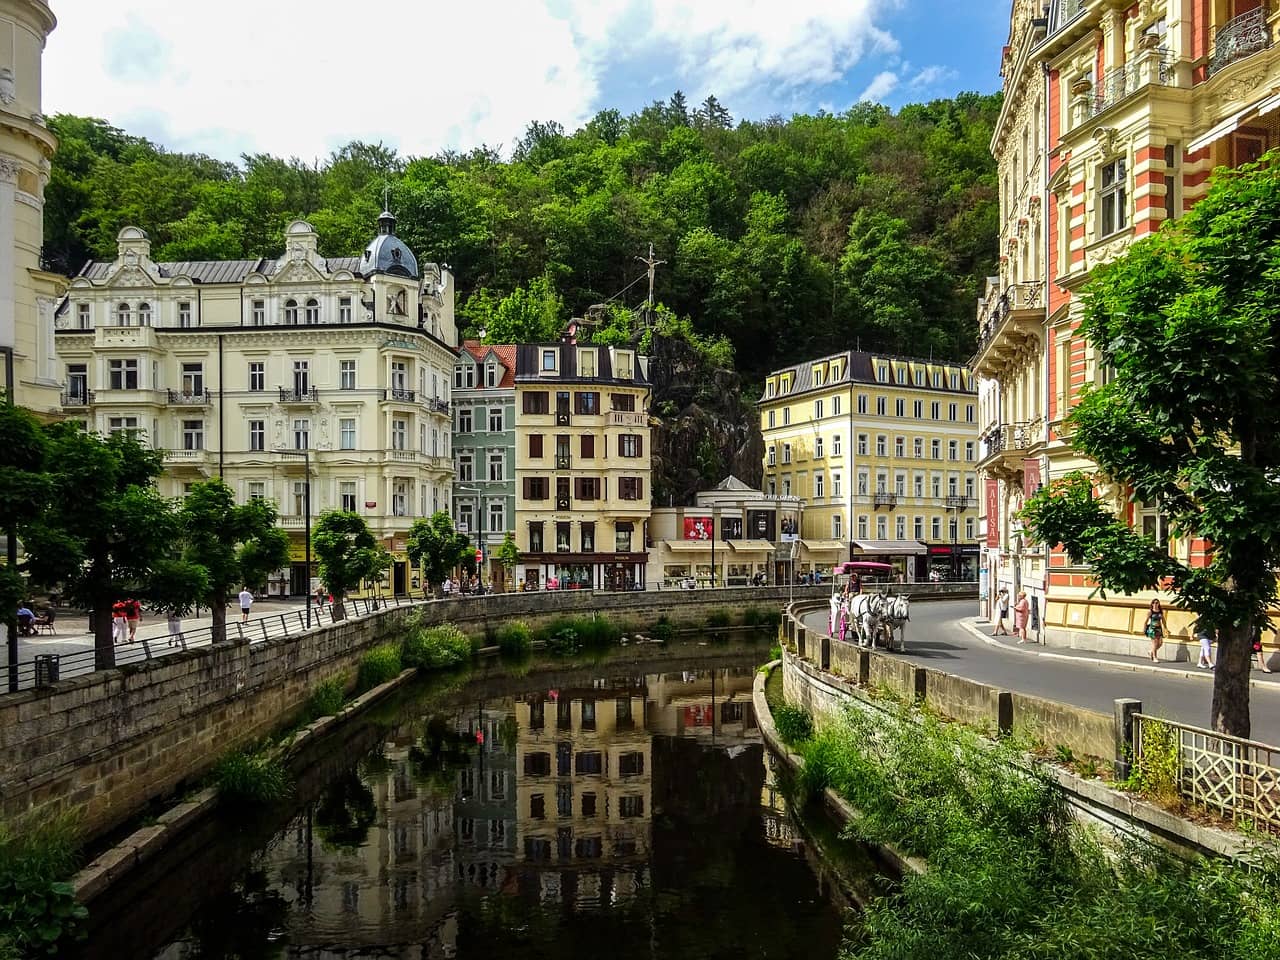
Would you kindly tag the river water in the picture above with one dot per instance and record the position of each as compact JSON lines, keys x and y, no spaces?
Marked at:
{"x":625,"y":809}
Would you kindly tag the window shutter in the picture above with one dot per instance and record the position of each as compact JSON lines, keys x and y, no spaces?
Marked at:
{"x":526,"y":489}
{"x":577,"y":488}
{"x":639,"y":445}
{"x":588,"y":446}
{"x":535,"y":445}
{"x":639,"y":488}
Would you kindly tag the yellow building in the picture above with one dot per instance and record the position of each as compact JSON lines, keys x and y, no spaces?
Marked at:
{"x":582,"y":466}
{"x":28,"y":294}
{"x":236,"y":368}
{"x":882,"y":450}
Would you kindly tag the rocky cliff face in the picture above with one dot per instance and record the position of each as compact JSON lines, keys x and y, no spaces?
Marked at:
{"x":705,"y":430}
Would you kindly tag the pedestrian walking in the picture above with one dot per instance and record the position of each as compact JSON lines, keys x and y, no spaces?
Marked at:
{"x":175,"y":628}
{"x":1002,"y":613}
{"x":1259,"y":654}
{"x":133,"y":613}
{"x":1155,"y":629}
{"x":119,"y":622}
{"x":246,"y":604}
{"x":1204,"y":633}
{"x":1021,"y":610}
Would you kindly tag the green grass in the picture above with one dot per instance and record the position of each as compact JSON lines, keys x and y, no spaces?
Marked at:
{"x":327,"y":697}
{"x":435,"y":647}
{"x":719,"y":619}
{"x":38,"y":911}
{"x":515,"y":639}
{"x":251,"y":777}
{"x":795,"y":726}
{"x":662,"y":630}
{"x":379,"y":665}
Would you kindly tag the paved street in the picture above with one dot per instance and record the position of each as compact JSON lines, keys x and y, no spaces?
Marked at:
{"x":944,"y":635}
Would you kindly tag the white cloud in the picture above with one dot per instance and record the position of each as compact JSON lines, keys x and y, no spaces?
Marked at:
{"x":932,"y":76}
{"x":301,"y":79}
{"x":881,"y":85}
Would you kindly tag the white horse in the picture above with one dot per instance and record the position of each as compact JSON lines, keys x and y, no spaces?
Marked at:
{"x":865,"y":613}
{"x":896,"y":614}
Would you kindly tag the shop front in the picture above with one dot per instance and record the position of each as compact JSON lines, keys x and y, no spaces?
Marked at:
{"x":909,"y":558}
{"x":582,"y":571}
{"x":819,"y":556}
{"x":954,"y":561}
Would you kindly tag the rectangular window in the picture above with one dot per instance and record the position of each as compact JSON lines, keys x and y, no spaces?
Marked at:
{"x":399,"y":434}
{"x":497,"y":465}
{"x":548,"y":361}
{"x":772,"y":418}
{"x":535,"y":537}
{"x":935,"y":527}
{"x":835,"y":405}
{"x":953,"y":450}
{"x":563,"y":532}
{"x":917,"y":448}
{"x":622,"y":538}
{"x":901,"y":527}
{"x":184,"y":314}
{"x":968,"y":450}
{"x":880,"y":406}
{"x":819,"y":486}
{"x":935,"y":449}
{"x":1170,"y":181}
{"x":587,"y":534}
{"x":192,"y":434}
{"x":817,"y":409}
{"x":347,"y":496}
{"x":786,"y":453}
{"x":257,"y":490}
{"x":535,"y":446}
{"x":899,"y":446}
{"x":536,"y":488}
{"x":933,"y":410}
{"x":918,"y":528}
{"x":862,"y":445}
{"x":632,"y":445}
{"x":837,"y":527}
{"x":917,"y":409}
{"x":862,"y":403}
{"x":630,"y":488}
{"x":257,"y":434}
{"x":344,"y":309}
{"x":968,"y":413}
{"x":1112,"y":194}
{"x":881,"y":445}
{"x":536,"y":402}
{"x":863,"y":480}
{"x":464,"y":419}
{"x":495,"y":420}
{"x":835,"y":485}
{"x":77,"y":383}
{"x":587,"y":362}
{"x":259,"y":313}
{"x":347,"y":433}
{"x":346,"y":374}
{"x":951,"y":412}
{"x":786,"y":416}
{"x":497,"y":517}
{"x":817,"y":448}
{"x":119,"y":425}
{"x":400,"y":499}
{"x":862,"y":526}
{"x":301,"y":434}
{"x":301,"y":377}
{"x":399,"y":376}
{"x":257,"y":376}
{"x":588,"y":447}
{"x":622,"y":402}
{"x":835,"y":445}
{"x":586,"y":488}
{"x":82,"y":316}
{"x":193,"y":379}
{"x":586,"y":402}
{"x":122,"y":374}
{"x":773,"y":456}
{"x":918,"y":485}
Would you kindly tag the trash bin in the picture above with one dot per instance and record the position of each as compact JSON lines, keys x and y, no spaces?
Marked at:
{"x":46,"y":669}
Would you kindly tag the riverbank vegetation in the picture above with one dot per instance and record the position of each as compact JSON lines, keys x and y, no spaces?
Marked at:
{"x":1010,"y":874}
{"x":252,"y":776}
{"x":38,"y":910}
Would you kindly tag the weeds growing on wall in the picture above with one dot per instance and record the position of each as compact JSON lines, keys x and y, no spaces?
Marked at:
{"x":39,"y":914}
{"x":379,"y":665}
{"x":435,"y":647}
{"x":718,"y":619}
{"x":663,"y":630}
{"x":1010,"y":875}
{"x":795,"y":726}
{"x":251,"y":777}
{"x":514,"y":639}
{"x":1155,"y":773}
{"x":327,"y":697}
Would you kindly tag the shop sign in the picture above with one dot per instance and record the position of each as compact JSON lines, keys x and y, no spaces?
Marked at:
{"x":993,"y":513}
{"x":370,"y":504}
{"x":697,"y":528}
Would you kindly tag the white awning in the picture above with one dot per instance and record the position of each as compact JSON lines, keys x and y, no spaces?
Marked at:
{"x":694,"y":546}
{"x":825,"y":546}
{"x":1220,"y":130}
{"x":751,"y":546}
{"x":891,"y":547}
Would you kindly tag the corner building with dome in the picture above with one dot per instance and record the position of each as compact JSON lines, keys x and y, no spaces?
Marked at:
{"x":234,"y":368}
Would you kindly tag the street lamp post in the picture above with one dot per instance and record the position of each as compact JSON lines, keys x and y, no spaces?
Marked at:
{"x":305,"y":454}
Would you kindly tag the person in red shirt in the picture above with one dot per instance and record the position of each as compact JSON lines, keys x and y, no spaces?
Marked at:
{"x":133,"y":612}
{"x":119,"y":622}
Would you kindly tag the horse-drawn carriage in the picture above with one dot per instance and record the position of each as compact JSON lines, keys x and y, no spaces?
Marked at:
{"x":870,"y":617}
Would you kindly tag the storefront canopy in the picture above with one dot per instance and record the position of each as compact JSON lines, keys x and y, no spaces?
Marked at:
{"x":895,"y":548}
{"x":825,"y":546}
{"x":695,"y":546}
{"x":751,"y":546}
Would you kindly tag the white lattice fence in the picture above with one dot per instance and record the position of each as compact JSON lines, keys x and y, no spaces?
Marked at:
{"x":1238,"y":778}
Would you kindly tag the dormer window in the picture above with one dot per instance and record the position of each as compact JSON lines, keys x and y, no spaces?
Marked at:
{"x":123,"y":315}
{"x":902,"y":374}
{"x":313,"y":310}
{"x":144,"y":314}
{"x":291,"y":312}
{"x":882,"y":373}
{"x":82,"y":316}
{"x":625,"y":365}
{"x":587,"y":362}
{"x":491,"y":374}
{"x":919,"y":378}
{"x":548,"y":361}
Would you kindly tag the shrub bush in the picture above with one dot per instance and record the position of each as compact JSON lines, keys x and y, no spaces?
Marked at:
{"x":794,"y":725}
{"x":379,"y":665}
{"x":663,"y":630}
{"x":327,"y":697}
{"x":515,"y":639}
{"x":435,"y":647}
{"x":752,"y":617}
{"x":718,"y":619}
{"x":38,"y":910}
{"x":596,"y":632}
{"x":249,"y":776}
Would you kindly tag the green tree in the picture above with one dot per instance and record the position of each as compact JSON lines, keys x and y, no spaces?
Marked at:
{"x":235,"y":543}
{"x":1189,"y":321}
{"x":347,"y":554}
{"x":435,"y":546}
{"x":534,"y":314}
{"x":105,"y":533}
{"x":508,"y":554}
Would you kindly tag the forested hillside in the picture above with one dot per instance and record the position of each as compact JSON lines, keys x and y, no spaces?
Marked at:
{"x":788,"y":237}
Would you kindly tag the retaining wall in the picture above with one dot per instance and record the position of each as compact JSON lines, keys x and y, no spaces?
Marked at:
{"x":107,"y":743}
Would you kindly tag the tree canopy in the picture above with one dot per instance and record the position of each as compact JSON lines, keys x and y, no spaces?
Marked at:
{"x":347,"y":553}
{"x":790,"y":237}
{"x":1189,"y":321}
{"x":436,"y":546}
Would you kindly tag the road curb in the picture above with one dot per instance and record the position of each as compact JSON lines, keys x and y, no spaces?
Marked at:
{"x":1196,"y":674}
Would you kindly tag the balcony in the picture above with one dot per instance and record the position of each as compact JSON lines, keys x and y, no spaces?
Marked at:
{"x":399,"y":394}
{"x":1013,"y":321}
{"x":623,"y":418}
{"x":133,"y":338}
{"x":957,"y":501}
{"x":436,"y":405}
{"x":300,"y":396}
{"x":885,"y":499}
{"x":403,"y":456}
{"x":1008,"y":444}
{"x":184,"y":398}
{"x":76,"y":398}
{"x":1154,"y":66}
{"x":293,"y":523}
{"x":186,"y":458}
{"x":564,"y":461}
{"x":1238,"y":38}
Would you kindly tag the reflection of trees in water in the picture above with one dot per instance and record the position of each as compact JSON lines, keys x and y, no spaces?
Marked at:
{"x":345,"y":812}
{"x":246,"y":922}
{"x":435,"y":759}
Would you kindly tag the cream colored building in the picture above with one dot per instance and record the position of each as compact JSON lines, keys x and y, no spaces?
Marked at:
{"x":582,"y":465}
{"x":882,"y":449}
{"x":28,"y":294}
{"x":235,"y":368}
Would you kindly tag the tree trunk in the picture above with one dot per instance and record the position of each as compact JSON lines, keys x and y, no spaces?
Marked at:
{"x":1230,"y":711}
{"x":104,"y":649}
{"x":218,"y":607}
{"x":339,"y":607}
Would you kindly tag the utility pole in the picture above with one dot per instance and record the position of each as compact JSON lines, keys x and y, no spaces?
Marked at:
{"x":653,"y":265}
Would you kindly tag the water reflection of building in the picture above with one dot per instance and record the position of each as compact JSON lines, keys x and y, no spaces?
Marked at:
{"x":485,"y":808}
{"x":704,"y":704}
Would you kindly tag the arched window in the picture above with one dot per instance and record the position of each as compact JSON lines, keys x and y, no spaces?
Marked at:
{"x":144,"y":314}
{"x":291,"y":312}
{"x":122,"y":315}
{"x":313,"y":310}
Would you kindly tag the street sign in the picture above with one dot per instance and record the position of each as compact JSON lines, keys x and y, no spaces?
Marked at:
{"x":479,"y":556}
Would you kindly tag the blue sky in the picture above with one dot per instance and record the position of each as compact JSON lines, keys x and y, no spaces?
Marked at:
{"x":426,"y":76}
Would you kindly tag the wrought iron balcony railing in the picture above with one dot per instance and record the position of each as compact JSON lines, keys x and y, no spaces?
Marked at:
{"x":436,"y":405}
{"x":1238,"y":38}
{"x":77,"y":398}
{"x":1019,"y":296}
{"x":886,"y":499}
{"x":959,"y":501}
{"x":188,"y":398}
{"x":294,"y":395}
{"x":399,"y":393}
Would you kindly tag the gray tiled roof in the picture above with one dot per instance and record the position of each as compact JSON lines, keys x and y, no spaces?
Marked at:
{"x":214,"y":271}
{"x":859,"y":368}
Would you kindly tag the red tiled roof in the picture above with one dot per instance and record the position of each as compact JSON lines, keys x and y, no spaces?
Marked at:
{"x":506,"y":353}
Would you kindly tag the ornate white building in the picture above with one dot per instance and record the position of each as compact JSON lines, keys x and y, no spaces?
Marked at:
{"x":234,"y":368}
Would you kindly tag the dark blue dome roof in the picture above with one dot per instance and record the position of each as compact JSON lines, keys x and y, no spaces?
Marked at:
{"x":387,"y":253}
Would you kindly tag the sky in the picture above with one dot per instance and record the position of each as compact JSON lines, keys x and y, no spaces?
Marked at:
{"x":302,"y":78}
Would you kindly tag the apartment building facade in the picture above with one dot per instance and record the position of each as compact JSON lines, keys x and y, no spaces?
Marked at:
{"x":484,"y":449}
{"x":283,"y":376}
{"x":1140,"y":104}
{"x":582,"y":466}
{"x":29,"y":293}
{"x":883,"y":451}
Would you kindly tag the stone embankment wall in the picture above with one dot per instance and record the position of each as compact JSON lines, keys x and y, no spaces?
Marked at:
{"x":108,"y":743}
